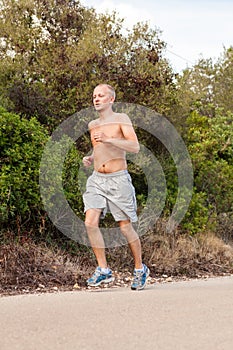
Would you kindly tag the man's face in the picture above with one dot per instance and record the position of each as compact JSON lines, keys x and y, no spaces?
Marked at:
{"x":102,"y":98}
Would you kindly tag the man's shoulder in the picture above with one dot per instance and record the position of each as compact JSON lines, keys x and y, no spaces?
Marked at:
{"x":93,"y":124}
{"x":122,"y":118}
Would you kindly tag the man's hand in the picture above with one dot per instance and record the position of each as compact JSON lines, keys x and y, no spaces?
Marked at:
{"x":87,"y":161}
{"x":99,"y":136}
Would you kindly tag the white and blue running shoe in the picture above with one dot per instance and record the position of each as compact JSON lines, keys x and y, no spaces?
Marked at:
{"x":99,"y":277}
{"x":139,"y":278}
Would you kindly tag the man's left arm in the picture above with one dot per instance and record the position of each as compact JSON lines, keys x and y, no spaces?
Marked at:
{"x":128,"y":143}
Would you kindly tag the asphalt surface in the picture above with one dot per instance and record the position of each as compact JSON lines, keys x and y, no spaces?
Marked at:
{"x":181,"y":315}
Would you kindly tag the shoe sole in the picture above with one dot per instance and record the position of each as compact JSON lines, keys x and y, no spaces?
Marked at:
{"x":142,"y":287}
{"x":106,"y":281}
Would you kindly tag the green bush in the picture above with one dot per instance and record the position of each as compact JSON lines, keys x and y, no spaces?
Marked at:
{"x":197,"y":216}
{"x":21,"y":145}
{"x":74,"y":181}
{"x":210,"y":143}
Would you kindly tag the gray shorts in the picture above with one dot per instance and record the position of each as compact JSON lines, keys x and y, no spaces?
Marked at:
{"x":112,"y":192}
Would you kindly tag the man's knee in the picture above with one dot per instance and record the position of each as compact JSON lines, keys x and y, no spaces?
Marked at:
{"x":125,"y":227}
{"x":91,"y":223}
{"x":92,"y":218}
{"x":127,"y":230}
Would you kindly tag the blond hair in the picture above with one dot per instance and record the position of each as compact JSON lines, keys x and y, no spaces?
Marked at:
{"x":110,"y":88}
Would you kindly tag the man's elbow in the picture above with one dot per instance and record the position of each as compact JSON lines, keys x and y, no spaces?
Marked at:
{"x":137,"y":148}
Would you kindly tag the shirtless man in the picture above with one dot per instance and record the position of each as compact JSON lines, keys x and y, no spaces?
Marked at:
{"x":109,"y":188}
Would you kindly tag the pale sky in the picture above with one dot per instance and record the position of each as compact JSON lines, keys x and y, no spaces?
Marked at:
{"x":192,"y":29}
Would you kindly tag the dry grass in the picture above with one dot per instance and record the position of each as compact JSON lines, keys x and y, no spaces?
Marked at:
{"x":179,"y":254}
{"x":225,"y":226}
{"x":29,"y":266}
{"x":32,"y":267}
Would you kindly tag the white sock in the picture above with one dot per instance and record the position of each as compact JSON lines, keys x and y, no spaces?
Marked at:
{"x":140,"y":270}
{"x":105,"y":270}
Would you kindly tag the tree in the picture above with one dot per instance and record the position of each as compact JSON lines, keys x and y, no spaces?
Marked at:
{"x":205,"y":88}
{"x":53,"y":53}
{"x":195,"y":90}
{"x":36,"y":36}
{"x":223,"y":87}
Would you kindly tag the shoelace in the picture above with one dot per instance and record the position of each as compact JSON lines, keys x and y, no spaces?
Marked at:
{"x":138,"y":275}
{"x":97,"y":273}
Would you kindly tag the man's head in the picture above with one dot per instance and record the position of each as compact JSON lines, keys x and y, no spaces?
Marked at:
{"x":103,"y":96}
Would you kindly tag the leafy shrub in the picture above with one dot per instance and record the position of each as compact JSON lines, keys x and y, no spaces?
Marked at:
{"x":74,"y":180}
{"x":211,"y":147}
{"x":21,"y":146}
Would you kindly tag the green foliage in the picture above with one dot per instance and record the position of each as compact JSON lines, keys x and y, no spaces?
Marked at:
{"x":74,"y":181}
{"x":223,"y":87}
{"x":197,"y":216}
{"x":205,"y":88}
{"x":210,"y":143}
{"x":37,"y":39}
{"x":21,"y":146}
{"x":194,"y":93}
{"x":54,"y":52}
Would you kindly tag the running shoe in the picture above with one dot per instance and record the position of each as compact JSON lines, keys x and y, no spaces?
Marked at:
{"x":139,"y":278}
{"x":99,"y":277}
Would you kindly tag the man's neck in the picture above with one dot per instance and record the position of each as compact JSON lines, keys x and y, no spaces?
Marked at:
{"x":105,"y":114}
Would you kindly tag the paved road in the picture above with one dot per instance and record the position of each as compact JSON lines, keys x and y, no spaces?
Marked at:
{"x":174,"y":316}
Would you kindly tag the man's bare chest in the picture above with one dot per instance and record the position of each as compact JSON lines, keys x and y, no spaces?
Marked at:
{"x":110,"y":130}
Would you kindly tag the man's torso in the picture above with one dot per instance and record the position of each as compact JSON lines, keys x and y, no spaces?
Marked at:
{"x":108,"y":158}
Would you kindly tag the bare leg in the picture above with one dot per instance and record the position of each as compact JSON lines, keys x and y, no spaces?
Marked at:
{"x":133,"y":241}
{"x":95,"y":236}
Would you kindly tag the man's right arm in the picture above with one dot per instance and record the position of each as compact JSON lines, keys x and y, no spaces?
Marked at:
{"x":88,"y":160}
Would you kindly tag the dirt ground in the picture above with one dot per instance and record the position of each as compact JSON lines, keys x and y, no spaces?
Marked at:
{"x":29,"y":267}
